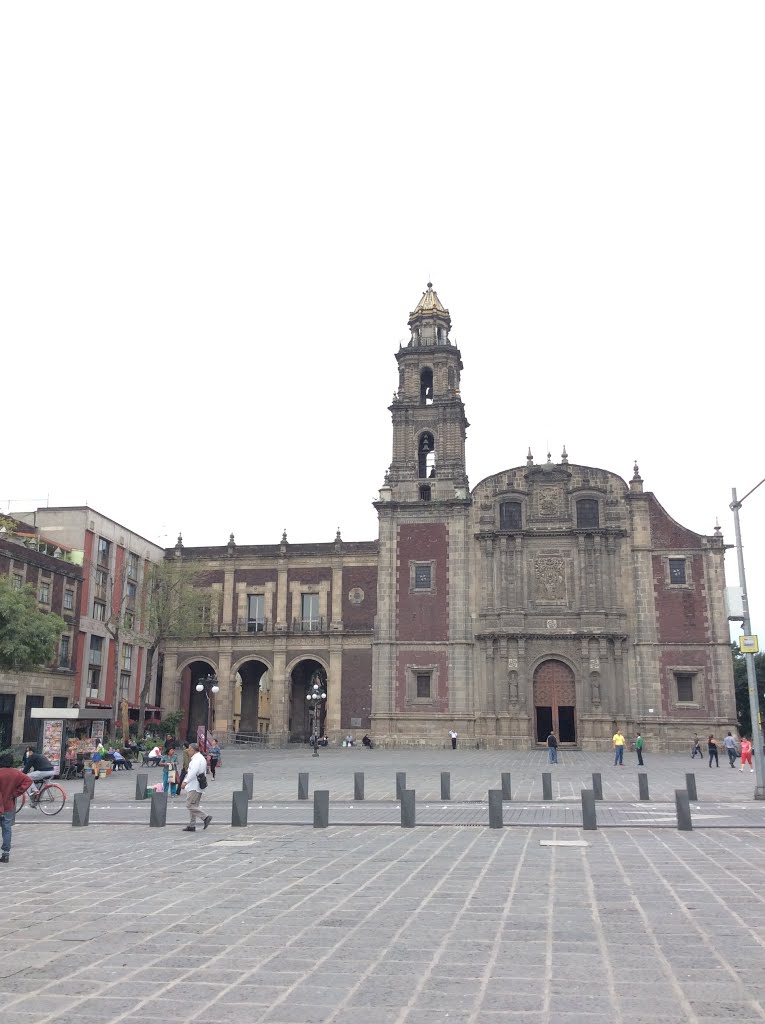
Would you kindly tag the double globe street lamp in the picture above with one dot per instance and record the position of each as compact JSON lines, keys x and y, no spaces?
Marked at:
{"x":315,"y":696}
{"x":207,"y":686}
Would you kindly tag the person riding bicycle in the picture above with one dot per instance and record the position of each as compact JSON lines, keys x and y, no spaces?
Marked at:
{"x":37,"y":767}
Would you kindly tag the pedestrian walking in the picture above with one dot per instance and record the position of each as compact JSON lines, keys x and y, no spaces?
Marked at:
{"x":618,"y":742}
{"x":215,"y":753}
{"x":712,"y":748}
{"x":639,"y":748}
{"x":552,"y":748}
{"x":453,"y":738}
{"x":12,"y":784}
{"x":746,"y":753}
{"x":696,"y":749}
{"x":194,"y":783}
{"x":730,"y":746}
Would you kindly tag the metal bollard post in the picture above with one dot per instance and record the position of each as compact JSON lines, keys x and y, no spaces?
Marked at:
{"x":320,"y":808}
{"x":400,"y":784}
{"x":81,"y":810}
{"x":247,"y":784}
{"x":446,"y":785}
{"x":239,"y":806}
{"x":546,"y":786}
{"x":495,"y":808}
{"x":683,"y":809}
{"x":302,"y":785}
{"x":643,"y":785}
{"x":690,"y":785}
{"x":89,"y":784}
{"x":358,"y":785}
{"x":141,"y":785}
{"x":407,"y":808}
{"x":589,"y":814}
{"x":158,"y":812}
{"x":597,"y":785}
{"x":507,"y":788}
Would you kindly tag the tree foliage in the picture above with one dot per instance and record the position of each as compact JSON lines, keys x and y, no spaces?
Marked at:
{"x":742,"y":687}
{"x":28,"y":637}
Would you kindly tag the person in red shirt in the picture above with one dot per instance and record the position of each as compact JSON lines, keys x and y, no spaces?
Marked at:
{"x":746,"y":753}
{"x":12,"y":784}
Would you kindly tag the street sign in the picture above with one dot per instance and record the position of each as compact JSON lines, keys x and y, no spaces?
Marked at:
{"x":748,"y":644}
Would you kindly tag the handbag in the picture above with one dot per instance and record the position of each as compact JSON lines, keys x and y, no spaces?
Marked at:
{"x":171,"y":776}
{"x":202,"y":780}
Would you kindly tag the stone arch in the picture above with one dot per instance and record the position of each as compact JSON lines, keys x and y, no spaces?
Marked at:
{"x":301,"y":671}
{"x":251,"y":677}
{"x":554,"y":691}
{"x":193,"y":704}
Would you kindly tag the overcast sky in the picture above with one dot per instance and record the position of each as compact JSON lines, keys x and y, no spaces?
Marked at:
{"x":217,"y":218}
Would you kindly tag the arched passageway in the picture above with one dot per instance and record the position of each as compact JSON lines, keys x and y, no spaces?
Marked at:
{"x":252,"y":698}
{"x":306,"y":715}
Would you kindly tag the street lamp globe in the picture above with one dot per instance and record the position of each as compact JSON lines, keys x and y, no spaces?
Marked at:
{"x":199,"y":687}
{"x":214,"y":689}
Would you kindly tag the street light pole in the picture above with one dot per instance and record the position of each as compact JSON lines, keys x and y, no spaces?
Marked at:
{"x":315,"y":696}
{"x":751,"y":673}
{"x":207,"y":686}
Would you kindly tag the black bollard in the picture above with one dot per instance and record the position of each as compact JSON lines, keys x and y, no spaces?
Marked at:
{"x":546,"y":786}
{"x":302,"y":785}
{"x":239,"y":806}
{"x":247,"y":784}
{"x":81,"y":810}
{"x":643,"y":785}
{"x":690,"y":785}
{"x":683,"y":809}
{"x":141,"y":785}
{"x":495,"y":808}
{"x":158,"y":812}
{"x":400,"y":784}
{"x":507,"y":788}
{"x":358,"y":785}
{"x":446,"y":785}
{"x":597,"y":785}
{"x":589,"y":814}
{"x":89,"y":785}
{"x":320,"y":808}
{"x":407,"y":808}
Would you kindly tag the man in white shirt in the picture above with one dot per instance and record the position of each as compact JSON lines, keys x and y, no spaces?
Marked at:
{"x":197,"y":766}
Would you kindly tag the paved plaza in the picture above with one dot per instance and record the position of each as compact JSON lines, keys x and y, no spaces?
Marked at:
{"x":288,"y":924}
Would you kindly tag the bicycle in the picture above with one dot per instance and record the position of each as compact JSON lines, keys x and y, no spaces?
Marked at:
{"x":50,"y":798}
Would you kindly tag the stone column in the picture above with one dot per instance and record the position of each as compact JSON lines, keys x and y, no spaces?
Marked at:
{"x":171,"y":689}
{"x":228,"y":620}
{"x":281,"y":600}
{"x":280,"y":696}
{"x":337,"y":598}
{"x":224,"y":699}
{"x":334,"y":689}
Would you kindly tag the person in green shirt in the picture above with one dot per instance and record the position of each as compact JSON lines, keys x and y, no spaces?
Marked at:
{"x":639,"y":748}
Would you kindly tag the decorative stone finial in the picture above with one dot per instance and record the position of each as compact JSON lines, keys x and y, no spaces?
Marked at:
{"x":529,"y":458}
{"x":718,"y":530}
{"x":549,"y":458}
{"x":564,"y":456}
{"x":337,"y":535}
{"x":636,"y":483}
{"x":636,"y":471}
{"x":231,"y":539}
{"x":284,"y":535}
{"x":430,"y":284}
{"x":179,"y":542}
{"x":231,"y":545}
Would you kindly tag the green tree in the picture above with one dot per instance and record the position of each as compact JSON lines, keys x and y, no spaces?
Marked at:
{"x":742,"y":687}
{"x":28,"y":637}
{"x":175,"y":607}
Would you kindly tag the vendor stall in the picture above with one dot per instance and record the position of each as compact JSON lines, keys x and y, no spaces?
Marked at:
{"x":68,"y":733}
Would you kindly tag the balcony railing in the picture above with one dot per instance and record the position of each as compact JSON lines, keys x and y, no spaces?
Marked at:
{"x":308,"y":626}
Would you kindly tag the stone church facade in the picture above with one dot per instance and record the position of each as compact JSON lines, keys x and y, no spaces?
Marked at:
{"x":552,"y":596}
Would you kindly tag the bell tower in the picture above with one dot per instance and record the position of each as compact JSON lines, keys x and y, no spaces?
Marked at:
{"x":421,"y":655}
{"x":429,"y":423}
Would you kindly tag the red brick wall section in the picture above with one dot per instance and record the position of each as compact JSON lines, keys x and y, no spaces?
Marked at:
{"x":423,"y":616}
{"x":666,"y":533}
{"x":683,"y":658}
{"x":357,"y":689}
{"x":681,"y":612}
{"x":255,"y":577}
{"x":422,"y":659}
{"x":360,"y":616}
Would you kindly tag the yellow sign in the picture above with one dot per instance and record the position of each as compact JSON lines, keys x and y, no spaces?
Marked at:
{"x":748,"y":644}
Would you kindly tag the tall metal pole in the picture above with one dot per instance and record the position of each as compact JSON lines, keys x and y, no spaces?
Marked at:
{"x":751,"y":674}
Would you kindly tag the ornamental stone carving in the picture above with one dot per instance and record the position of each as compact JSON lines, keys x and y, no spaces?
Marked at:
{"x":549,"y":502}
{"x":550,"y":576}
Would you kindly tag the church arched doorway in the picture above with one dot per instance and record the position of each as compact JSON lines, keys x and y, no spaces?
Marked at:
{"x":252,"y":698}
{"x":555,"y":701}
{"x":305,"y":715}
{"x":197,"y":700}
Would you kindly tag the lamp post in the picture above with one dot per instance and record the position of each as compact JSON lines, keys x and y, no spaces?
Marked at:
{"x":751,"y":674}
{"x":207,"y":686}
{"x":315,"y":696}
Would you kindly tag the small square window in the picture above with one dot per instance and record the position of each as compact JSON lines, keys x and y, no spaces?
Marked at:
{"x":684,"y":681}
{"x":99,"y":611}
{"x":423,"y":575}
{"x":423,"y":685}
{"x":510,"y":515}
{"x":18,"y":581}
{"x":677,"y":573}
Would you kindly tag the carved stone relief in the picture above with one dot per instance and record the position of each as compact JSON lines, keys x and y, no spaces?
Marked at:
{"x":550,"y":579}
{"x":549,"y":502}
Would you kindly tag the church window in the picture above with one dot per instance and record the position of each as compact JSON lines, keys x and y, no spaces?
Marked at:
{"x":450,"y":378}
{"x":426,"y":387}
{"x":423,"y":576}
{"x":684,"y":683}
{"x":425,"y":492}
{"x":677,"y":573}
{"x":587,"y":517}
{"x":426,"y":456}
{"x":510,"y":515}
